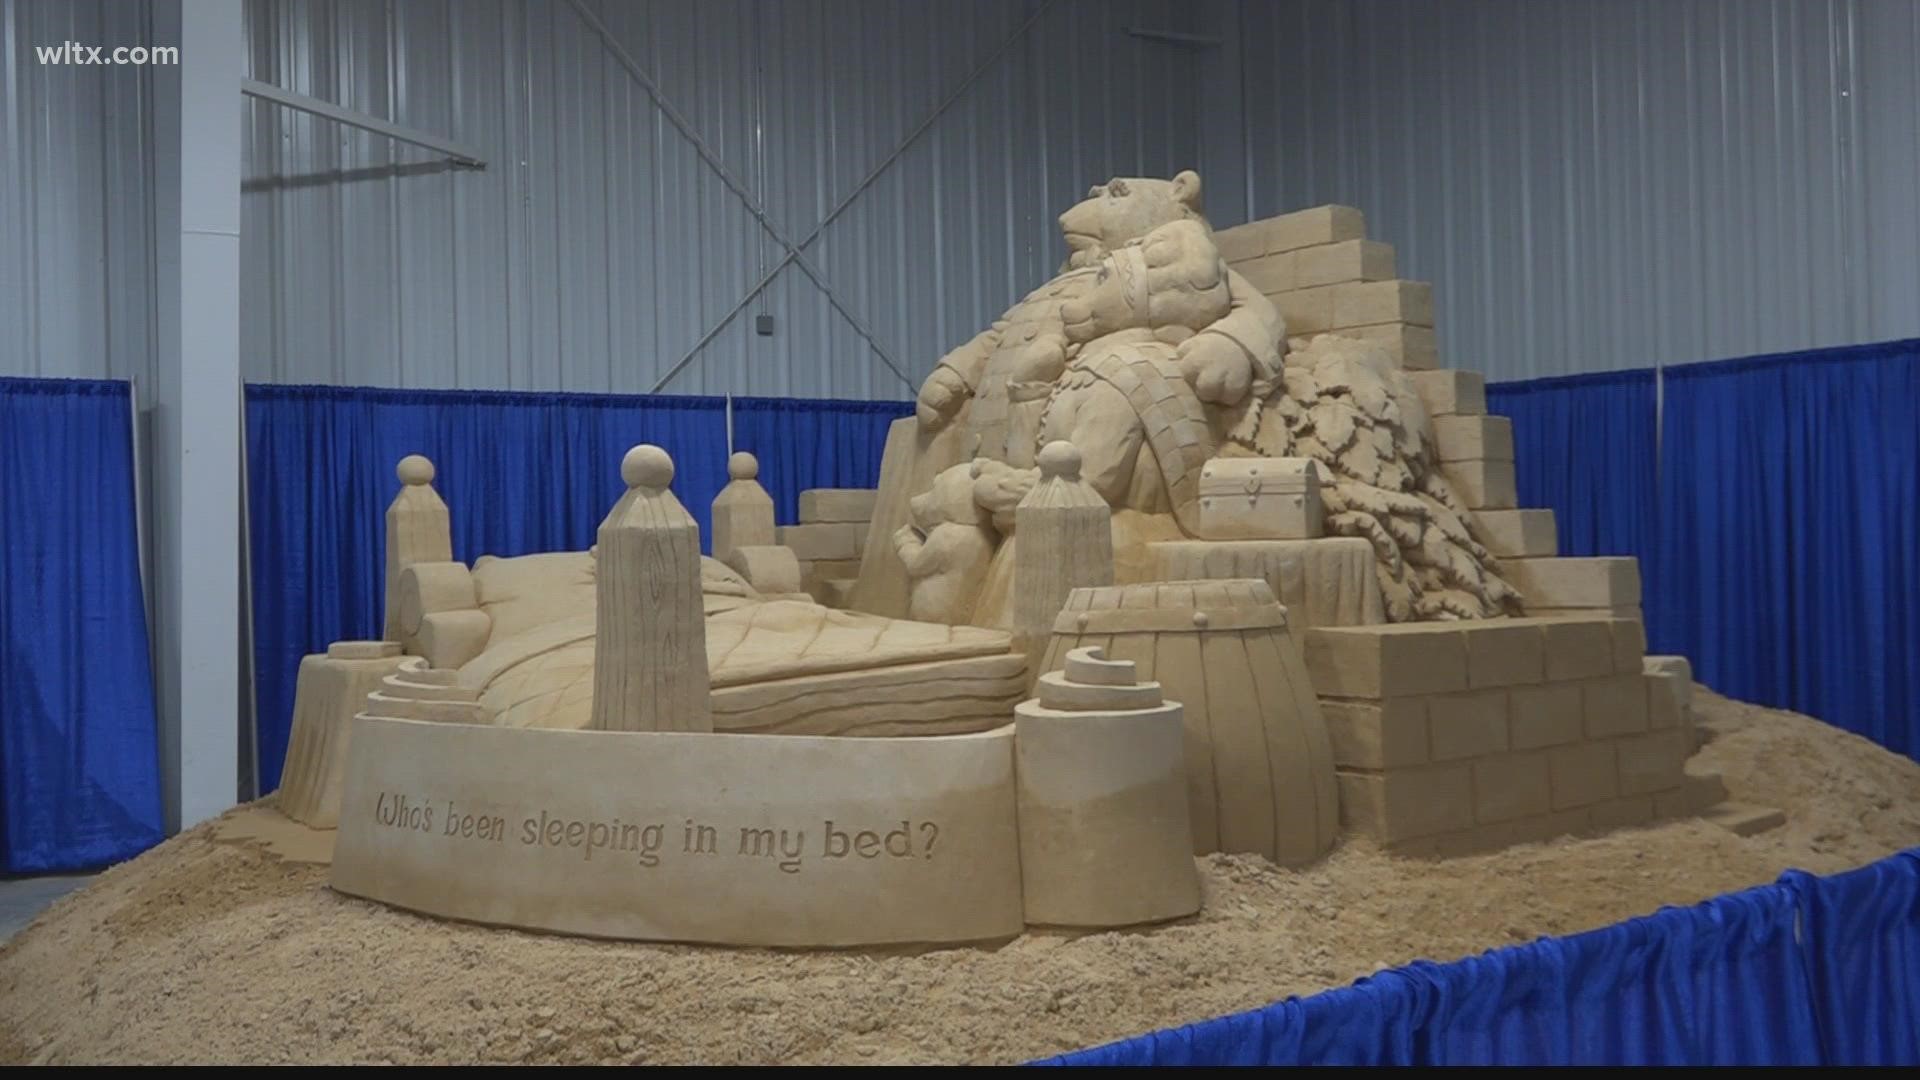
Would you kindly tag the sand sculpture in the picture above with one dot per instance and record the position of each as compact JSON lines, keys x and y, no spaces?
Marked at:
{"x":1162,"y":363}
{"x":598,"y":799}
{"x":1144,"y":577}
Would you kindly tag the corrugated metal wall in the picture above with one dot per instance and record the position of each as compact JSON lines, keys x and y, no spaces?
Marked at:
{"x":1605,"y":185}
{"x":1590,"y":185}
{"x":597,"y":249}
{"x":78,"y":215}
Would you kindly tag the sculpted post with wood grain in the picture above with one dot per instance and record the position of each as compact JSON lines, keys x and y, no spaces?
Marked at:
{"x":650,"y":672}
{"x":419,"y":530}
{"x":1066,"y":542}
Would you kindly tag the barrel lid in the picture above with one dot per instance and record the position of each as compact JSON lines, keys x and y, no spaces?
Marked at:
{"x":1172,"y":606}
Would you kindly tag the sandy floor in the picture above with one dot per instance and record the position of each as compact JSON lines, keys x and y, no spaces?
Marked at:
{"x":208,"y":952}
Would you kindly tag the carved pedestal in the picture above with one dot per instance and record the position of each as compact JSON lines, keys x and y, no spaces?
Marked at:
{"x":331,"y":689}
{"x":1105,"y":837}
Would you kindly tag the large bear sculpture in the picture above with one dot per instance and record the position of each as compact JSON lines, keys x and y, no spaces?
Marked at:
{"x":1151,"y":355}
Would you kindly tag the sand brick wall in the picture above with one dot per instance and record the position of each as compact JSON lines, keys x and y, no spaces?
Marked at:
{"x":1451,"y":737}
{"x":830,"y":540}
{"x":1325,"y":276}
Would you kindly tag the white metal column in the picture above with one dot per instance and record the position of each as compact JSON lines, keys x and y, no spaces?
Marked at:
{"x":198,"y":464}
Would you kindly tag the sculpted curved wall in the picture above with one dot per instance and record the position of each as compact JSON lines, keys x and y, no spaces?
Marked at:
{"x":695,"y":837}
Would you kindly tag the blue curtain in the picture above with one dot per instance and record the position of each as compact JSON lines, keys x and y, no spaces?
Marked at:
{"x":520,"y":473}
{"x":1805,"y":971}
{"x":1864,"y":960}
{"x":1790,"y":533}
{"x":1585,"y":446}
{"x":805,"y":444}
{"x":79,"y":745}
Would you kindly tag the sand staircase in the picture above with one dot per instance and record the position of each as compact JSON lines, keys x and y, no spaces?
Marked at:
{"x":1326,"y":277}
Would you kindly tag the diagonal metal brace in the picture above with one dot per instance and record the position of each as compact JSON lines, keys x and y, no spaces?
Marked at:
{"x":460,"y":155}
{"x":733,"y":183}
{"x":794,"y":251}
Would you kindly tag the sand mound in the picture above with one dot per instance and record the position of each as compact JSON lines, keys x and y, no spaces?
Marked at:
{"x":207,"y":952}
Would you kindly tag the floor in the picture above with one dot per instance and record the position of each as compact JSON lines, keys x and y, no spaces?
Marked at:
{"x":23,"y":899}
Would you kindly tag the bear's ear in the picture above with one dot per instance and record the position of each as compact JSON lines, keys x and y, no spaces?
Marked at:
{"x":1186,"y":188}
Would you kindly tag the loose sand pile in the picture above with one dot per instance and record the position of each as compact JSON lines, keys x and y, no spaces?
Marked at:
{"x":207,"y":952}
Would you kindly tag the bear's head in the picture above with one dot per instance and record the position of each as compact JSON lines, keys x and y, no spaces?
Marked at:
{"x":948,"y":501}
{"x":1126,"y":208}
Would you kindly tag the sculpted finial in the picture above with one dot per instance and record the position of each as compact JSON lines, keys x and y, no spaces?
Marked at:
{"x":414,"y":470}
{"x":648,"y":467}
{"x":1059,"y":459}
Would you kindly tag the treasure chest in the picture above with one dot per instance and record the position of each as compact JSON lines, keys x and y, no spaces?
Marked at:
{"x":1260,"y":499}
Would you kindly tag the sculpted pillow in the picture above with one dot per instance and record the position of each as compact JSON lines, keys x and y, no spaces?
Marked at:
{"x":530,"y":591}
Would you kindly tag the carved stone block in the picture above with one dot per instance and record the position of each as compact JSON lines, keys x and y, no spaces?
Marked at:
{"x":1341,"y":262}
{"x":1651,"y":762}
{"x":1369,"y":302}
{"x":1511,"y":534}
{"x":1467,"y":725}
{"x":1483,"y":485}
{"x":1377,"y":734}
{"x":1583,"y":774}
{"x":1577,"y":648}
{"x":1471,"y":438}
{"x":1409,"y":803}
{"x":828,"y":505}
{"x":1318,"y":225}
{"x":1414,"y":348}
{"x":1505,"y":652}
{"x":1629,"y":644}
{"x":1663,"y":701}
{"x":1546,"y":715}
{"x":1450,"y":391}
{"x":1241,"y":243}
{"x":1615,"y":705}
{"x":1398,"y":660}
{"x":1678,"y":667}
{"x":1510,"y":786}
{"x":1621,"y":813}
{"x":1306,"y":311}
{"x":1604,"y":582}
{"x":827,"y":541}
{"x":1269,"y":274}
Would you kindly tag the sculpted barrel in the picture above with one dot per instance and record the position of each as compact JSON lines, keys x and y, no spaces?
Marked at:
{"x":1259,"y":767}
